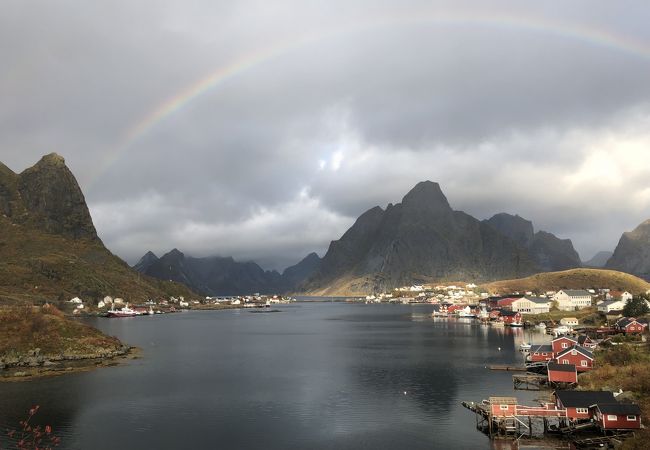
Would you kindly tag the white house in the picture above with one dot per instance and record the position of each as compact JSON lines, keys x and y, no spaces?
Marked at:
{"x":531,"y":305}
{"x":118,"y":301}
{"x":76,"y":300}
{"x":625,"y":296}
{"x":569,"y":321}
{"x":108,"y":300}
{"x":611,"y":305}
{"x":572,"y":300}
{"x":101,"y":304}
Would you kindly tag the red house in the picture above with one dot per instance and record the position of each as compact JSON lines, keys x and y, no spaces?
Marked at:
{"x":616,"y":416}
{"x":561,"y":343}
{"x":577,"y":403}
{"x":511,"y":318}
{"x":562,"y":374}
{"x":540,"y":353}
{"x":629,"y":325}
{"x":586,"y":342}
{"x":580,"y":357}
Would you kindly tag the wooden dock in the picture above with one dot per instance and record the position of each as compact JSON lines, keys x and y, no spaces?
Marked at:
{"x":507,"y":368}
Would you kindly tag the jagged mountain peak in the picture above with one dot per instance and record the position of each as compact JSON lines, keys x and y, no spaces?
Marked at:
{"x":427,"y":195}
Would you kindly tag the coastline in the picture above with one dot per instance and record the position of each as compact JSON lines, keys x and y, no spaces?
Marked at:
{"x":28,"y":368}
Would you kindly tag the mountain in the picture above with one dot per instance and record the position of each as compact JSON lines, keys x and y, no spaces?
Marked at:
{"x":296,"y":275}
{"x":49,"y":248}
{"x":570,"y":279}
{"x":548,"y":251}
{"x":217,"y":276}
{"x":599,"y":260}
{"x":632,"y":254}
{"x":418,"y":240}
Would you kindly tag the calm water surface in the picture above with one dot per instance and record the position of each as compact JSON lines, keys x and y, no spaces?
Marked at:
{"x":314,"y":376}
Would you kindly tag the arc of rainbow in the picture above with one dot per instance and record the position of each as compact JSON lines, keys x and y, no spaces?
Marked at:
{"x":581,"y":32}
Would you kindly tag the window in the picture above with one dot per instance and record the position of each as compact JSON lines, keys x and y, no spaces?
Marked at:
{"x":503,"y":407}
{"x":565,"y":361}
{"x":564,"y":345}
{"x":631,"y":418}
{"x":583,"y":363}
{"x":582,"y":410}
{"x":574,"y":352}
{"x":611,"y":417}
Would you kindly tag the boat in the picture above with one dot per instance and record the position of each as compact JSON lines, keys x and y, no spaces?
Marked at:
{"x":541,"y":326}
{"x":516,"y":324}
{"x":562,"y":329}
{"x":124,"y":312}
{"x":525,"y":347}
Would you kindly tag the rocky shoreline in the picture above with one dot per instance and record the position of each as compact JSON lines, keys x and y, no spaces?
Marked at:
{"x":34,"y":364}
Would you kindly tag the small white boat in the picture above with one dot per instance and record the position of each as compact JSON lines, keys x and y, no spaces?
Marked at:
{"x":541,"y":326}
{"x":525,"y":347}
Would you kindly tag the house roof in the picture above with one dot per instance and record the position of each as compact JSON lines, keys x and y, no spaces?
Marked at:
{"x":576,"y":293}
{"x":583,"y":338}
{"x":506,"y":301}
{"x":538,"y":300}
{"x":555,"y":367}
{"x":584,"y":399}
{"x":618,"y":408}
{"x":611,"y":302}
{"x":565,"y":337}
{"x":505,"y":312}
{"x":625,"y":321}
{"x":577,"y":348}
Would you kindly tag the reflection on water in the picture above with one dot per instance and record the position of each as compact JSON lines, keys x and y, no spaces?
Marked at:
{"x":316,"y":376}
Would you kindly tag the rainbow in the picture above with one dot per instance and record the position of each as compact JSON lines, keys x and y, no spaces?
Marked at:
{"x":588,"y":34}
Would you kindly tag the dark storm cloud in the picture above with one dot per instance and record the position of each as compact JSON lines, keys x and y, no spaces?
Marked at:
{"x":540,"y":110}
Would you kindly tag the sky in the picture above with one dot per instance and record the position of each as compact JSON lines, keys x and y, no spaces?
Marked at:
{"x":261,"y":130}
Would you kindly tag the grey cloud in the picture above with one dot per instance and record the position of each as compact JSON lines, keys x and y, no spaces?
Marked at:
{"x":374,"y":92}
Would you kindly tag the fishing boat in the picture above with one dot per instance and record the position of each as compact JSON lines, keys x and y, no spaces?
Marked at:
{"x":124,"y":312}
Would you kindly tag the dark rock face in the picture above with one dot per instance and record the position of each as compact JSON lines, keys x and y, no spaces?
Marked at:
{"x":516,"y":228}
{"x":53,"y":200}
{"x":421,"y":238}
{"x":213,"y":275}
{"x":547,"y":251}
{"x":145,"y":262}
{"x":632,"y":254}
{"x":296,"y":275}
{"x":599,"y":260}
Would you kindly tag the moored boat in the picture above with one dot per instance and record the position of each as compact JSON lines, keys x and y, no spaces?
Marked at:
{"x":124,"y":312}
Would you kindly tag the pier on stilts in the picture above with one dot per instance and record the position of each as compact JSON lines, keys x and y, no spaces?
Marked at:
{"x":503,"y":416}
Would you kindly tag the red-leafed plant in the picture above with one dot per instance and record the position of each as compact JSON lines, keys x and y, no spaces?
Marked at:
{"x":29,"y":437}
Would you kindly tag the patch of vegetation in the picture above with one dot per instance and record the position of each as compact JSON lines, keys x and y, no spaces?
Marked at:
{"x":571,"y":279}
{"x":626,"y":367}
{"x":637,"y":306}
{"x":37,"y":267}
{"x":25,"y":328}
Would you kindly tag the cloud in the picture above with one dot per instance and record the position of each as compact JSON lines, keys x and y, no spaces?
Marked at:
{"x":331,"y":108}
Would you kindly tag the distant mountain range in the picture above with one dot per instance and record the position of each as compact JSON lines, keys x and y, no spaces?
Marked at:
{"x":599,"y":260}
{"x":422,"y":239}
{"x":216,"y":276}
{"x":49,"y":249}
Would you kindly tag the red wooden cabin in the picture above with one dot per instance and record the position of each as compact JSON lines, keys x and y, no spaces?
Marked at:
{"x":580,"y":357}
{"x":561,"y":343}
{"x":562,"y":373}
{"x":577,"y":403}
{"x":616,"y":416}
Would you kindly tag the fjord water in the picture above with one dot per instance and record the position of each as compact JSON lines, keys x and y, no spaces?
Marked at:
{"x":313,"y":376}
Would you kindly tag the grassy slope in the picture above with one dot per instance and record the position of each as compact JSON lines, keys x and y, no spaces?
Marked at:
{"x":571,"y":279}
{"x":26,"y":328}
{"x":37,"y":267}
{"x":624,"y":367}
